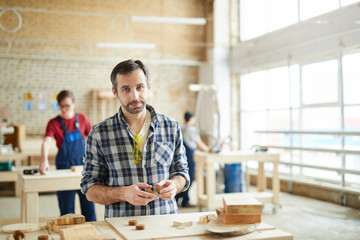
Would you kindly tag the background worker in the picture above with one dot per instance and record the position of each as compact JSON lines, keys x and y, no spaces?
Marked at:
{"x":135,"y":150}
{"x":192,"y":141}
{"x":69,"y":130}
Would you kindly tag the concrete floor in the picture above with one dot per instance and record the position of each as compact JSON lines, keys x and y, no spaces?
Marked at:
{"x":305,"y":218}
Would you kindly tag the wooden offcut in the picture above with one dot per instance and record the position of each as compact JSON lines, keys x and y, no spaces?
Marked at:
{"x":243,"y":205}
{"x":78,"y":232}
{"x":70,"y":219}
{"x":236,"y":218}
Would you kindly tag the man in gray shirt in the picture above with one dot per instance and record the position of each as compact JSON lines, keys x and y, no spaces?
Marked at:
{"x":192,"y":141}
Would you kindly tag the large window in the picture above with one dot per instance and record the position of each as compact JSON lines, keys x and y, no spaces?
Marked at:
{"x":313,"y":98}
{"x":258,"y":17}
{"x":320,"y":82}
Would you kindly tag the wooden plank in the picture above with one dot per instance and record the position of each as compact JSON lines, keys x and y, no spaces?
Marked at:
{"x":103,"y":227}
{"x":264,"y":232}
{"x":159,"y":226}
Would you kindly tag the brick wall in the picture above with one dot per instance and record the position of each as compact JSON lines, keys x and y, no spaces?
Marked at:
{"x":55,"y":49}
{"x":170,"y":94}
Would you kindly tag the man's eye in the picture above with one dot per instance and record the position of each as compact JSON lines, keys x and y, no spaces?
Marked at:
{"x":140,"y":87}
{"x":125,"y":89}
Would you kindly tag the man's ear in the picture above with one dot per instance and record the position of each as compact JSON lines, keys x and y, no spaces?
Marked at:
{"x":114,"y":92}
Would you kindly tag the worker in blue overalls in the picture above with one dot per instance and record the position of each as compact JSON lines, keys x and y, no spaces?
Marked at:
{"x":69,"y":130}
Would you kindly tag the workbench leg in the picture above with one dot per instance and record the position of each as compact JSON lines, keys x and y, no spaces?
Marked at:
{"x":247,"y":178}
{"x":23,"y":206}
{"x":210,"y":186}
{"x":276,"y":184}
{"x":261,"y":178}
{"x":32,"y":208}
{"x":77,"y":204}
{"x":199,"y":178}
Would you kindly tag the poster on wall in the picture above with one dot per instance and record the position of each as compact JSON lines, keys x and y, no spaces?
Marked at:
{"x":42,"y":100}
{"x":54,"y":104}
{"x":29,"y":105}
{"x":42,"y":106}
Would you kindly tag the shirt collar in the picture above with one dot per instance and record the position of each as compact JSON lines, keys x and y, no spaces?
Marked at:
{"x":148,"y":107}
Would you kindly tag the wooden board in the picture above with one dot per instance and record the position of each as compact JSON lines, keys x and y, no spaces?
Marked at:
{"x":24,"y":227}
{"x":159,"y":226}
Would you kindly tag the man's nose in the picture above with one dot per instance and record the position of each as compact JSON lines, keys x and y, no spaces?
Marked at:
{"x":134,"y":94}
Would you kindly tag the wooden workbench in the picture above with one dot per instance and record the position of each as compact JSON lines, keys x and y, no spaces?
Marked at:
{"x":20,"y":159}
{"x":31,"y":185}
{"x":160,"y":227}
{"x":205,"y":164}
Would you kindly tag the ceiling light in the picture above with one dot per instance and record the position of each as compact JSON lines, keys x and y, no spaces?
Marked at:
{"x":190,"y":21}
{"x":202,"y":87}
{"x":125,"y":45}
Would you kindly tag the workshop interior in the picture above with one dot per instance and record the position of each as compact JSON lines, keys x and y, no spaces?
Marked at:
{"x":273,"y":87}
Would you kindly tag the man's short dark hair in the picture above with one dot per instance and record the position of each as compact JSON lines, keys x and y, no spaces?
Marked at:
{"x":188,"y":115}
{"x":127,"y":67}
{"x":65,"y":94}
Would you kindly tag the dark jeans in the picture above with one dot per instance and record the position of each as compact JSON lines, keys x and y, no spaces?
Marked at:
{"x":67,"y":204}
{"x":191,"y":164}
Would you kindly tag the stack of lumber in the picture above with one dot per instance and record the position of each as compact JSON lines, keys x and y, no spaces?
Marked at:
{"x":240,"y":210}
{"x":73,"y":227}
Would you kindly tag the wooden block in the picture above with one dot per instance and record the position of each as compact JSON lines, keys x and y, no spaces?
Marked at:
{"x":132,"y":222}
{"x":70,"y":219}
{"x":140,"y":227}
{"x":236,"y":219}
{"x":50,"y":225}
{"x":43,"y":237}
{"x":77,"y":232}
{"x":78,"y":168}
{"x":243,"y":205}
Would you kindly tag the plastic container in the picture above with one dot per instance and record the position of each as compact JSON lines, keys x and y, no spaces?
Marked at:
{"x":6,"y":166}
{"x":233,"y":178}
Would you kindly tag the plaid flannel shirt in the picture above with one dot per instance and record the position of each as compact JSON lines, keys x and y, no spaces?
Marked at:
{"x":108,"y":161}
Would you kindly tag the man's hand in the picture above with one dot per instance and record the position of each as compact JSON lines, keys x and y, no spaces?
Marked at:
{"x":168,"y":189}
{"x":44,"y":166}
{"x":134,"y":195}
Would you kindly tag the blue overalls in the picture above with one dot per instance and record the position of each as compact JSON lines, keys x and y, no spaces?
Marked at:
{"x":71,"y":154}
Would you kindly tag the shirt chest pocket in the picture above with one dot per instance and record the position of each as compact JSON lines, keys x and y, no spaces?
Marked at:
{"x":164,"y":153}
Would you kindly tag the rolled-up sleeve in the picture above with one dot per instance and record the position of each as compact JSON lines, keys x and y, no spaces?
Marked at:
{"x":179,"y":164}
{"x":95,"y":169}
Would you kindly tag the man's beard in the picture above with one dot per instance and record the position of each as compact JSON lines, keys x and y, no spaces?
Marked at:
{"x":134,"y":110}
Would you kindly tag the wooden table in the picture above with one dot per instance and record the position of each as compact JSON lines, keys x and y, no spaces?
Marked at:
{"x":20,"y":159}
{"x":205,"y":164}
{"x":161,"y":225}
{"x":31,"y":185}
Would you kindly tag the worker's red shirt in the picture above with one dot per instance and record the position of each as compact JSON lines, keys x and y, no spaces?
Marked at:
{"x":54,"y":129}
